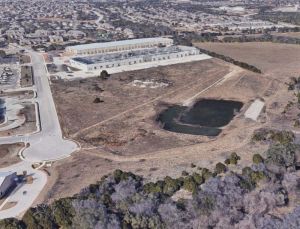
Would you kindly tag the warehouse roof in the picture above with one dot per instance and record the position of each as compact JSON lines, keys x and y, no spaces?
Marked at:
{"x":104,"y":58}
{"x":118,"y":43}
{"x":3,"y":175}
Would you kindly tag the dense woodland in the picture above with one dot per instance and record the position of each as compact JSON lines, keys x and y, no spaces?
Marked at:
{"x":275,"y":17}
{"x":221,"y":198}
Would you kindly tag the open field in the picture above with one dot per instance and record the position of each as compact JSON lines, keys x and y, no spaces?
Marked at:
{"x":127,"y":114}
{"x":119,"y":95}
{"x":121,"y":132}
{"x":25,"y":59}
{"x":29,"y":126}
{"x":289,"y":34}
{"x":26,"y":76}
{"x":18,"y":94}
{"x":278,"y":60}
{"x":133,"y":141}
{"x":9,"y":154}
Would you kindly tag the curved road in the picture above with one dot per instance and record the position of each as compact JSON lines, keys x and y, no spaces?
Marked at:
{"x":46,"y":145}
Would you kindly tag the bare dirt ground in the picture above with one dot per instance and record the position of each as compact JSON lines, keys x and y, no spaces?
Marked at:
{"x":30,"y":122}
{"x":121,"y":133}
{"x":26,"y":76}
{"x":25,"y":59}
{"x":9,"y":154}
{"x":277,"y":60}
{"x":18,"y":94}
{"x":290,"y":34}
{"x":127,"y":115}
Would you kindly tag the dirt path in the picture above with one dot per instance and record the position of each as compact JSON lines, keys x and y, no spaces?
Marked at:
{"x":234,"y":70}
{"x":217,"y":145}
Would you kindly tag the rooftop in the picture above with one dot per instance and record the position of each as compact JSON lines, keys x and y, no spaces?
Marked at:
{"x":3,"y":175}
{"x":102,"y":58}
{"x":118,"y":43}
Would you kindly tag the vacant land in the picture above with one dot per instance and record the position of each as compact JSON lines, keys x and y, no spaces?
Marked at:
{"x":25,"y":59}
{"x":289,"y":34}
{"x":278,"y":60}
{"x":9,"y":154}
{"x":119,"y":95}
{"x":26,"y":76}
{"x":28,"y":112}
{"x":125,"y":122}
{"x":121,"y":132}
{"x":18,"y":94}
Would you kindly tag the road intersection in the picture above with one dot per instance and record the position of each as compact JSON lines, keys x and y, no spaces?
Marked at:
{"x":46,"y":145}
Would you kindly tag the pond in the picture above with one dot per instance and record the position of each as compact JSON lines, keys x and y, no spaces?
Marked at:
{"x":2,"y":110}
{"x":206,"y":117}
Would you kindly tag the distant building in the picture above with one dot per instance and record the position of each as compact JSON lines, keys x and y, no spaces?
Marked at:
{"x":75,"y":34}
{"x":7,"y":181}
{"x":117,"y":46}
{"x":56,"y":39}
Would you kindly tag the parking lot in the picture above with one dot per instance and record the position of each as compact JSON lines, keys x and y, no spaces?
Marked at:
{"x":9,"y":75}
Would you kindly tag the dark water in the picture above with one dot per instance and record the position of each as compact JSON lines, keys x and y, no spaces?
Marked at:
{"x":204,"y":118}
{"x":2,"y":110}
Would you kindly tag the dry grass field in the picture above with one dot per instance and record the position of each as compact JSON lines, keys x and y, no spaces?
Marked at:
{"x":289,"y":34}
{"x":28,"y":112}
{"x":277,"y":60}
{"x":121,"y":132}
{"x":9,"y":154}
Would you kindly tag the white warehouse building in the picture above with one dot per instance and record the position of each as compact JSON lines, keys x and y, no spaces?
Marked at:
{"x":128,"y":58}
{"x":7,"y":181}
{"x":117,"y":46}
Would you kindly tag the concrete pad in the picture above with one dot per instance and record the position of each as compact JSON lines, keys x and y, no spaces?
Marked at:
{"x":24,"y":194}
{"x":254,"y":110}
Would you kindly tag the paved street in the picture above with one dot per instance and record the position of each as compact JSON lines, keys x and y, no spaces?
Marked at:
{"x":25,"y":194}
{"x":46,"y":145}
{"x":49,"y":143}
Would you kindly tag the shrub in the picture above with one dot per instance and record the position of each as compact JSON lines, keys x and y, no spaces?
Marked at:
{"x":190,"y":184}
{"x":281,"y":155}
{"x":153,"y":188}
{"x":297,"y":123}
{"x":206,"y":204}
{"x":12,"y":223}
{"x":257,"y":176}
{"x":282,"y":137}
{"x":119,"y":175}
{"x":233,"y":159}
{"x":251,"y":178}
{"x":220,"y":168}
{"x":257,"y":159}
{"x":198,"y":178}
{"x":184,"y":173}
{"x":40,"y":218}
{"x":206,"y":174}
{"x":104,"y":75}
{"x":63,"y":212}
{"x":171,"y":185}
{"x":98,"y":100}
{"x":227,"y":161}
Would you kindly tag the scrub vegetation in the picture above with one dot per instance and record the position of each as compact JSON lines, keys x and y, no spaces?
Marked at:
{"x":225,"y":197}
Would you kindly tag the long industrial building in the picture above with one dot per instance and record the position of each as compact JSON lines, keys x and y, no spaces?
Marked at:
{"x":134,"y":57}
{"x":117,"y":46}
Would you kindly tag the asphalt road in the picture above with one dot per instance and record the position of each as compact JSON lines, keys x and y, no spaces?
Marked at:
{"x":48,"y":144}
